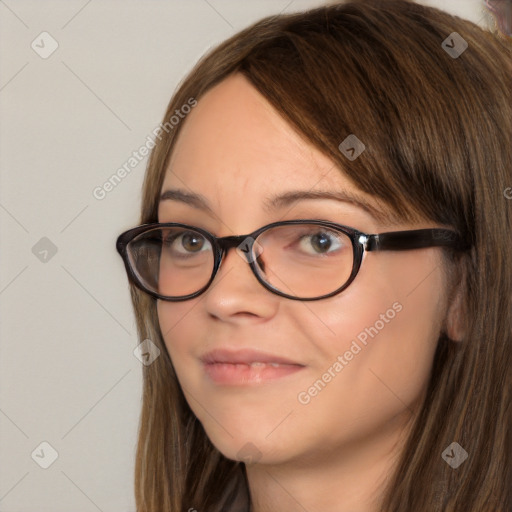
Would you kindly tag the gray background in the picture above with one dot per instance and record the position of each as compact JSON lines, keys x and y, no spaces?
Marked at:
{"x":68,"y":374}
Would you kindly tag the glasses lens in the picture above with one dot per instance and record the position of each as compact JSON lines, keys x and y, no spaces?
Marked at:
{"x":173,"y":262}
{"x":305,"y":260}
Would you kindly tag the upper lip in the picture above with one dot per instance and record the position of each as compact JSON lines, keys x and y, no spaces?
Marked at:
{"x":242,"y":356}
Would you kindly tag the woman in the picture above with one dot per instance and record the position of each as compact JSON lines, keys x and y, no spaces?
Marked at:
{"x":320,"y":367}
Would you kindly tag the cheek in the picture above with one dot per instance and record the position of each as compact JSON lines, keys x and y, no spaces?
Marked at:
{"x":176,"y":329}
{"x":395,"y":304}
{"x":378,"y":339}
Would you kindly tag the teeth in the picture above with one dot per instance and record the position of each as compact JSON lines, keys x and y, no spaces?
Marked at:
{"x":259,"y":365}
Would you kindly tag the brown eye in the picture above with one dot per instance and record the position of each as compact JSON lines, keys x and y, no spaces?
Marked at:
{"x":192,"y":242}
{"x":187,"y":243}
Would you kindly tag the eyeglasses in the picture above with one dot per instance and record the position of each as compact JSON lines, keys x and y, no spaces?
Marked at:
{"x":296,"y":259}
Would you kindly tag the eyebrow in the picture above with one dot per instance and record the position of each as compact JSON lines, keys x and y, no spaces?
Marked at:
{"x":282,"y":200}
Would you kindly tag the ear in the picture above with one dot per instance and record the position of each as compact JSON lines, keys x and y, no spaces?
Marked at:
{"x":455,"y":328}
{"x":455,"y":321}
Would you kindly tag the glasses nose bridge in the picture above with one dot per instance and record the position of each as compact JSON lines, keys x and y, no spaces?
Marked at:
{"x":228,"y":242}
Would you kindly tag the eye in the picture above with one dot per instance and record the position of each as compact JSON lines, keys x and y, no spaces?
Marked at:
{"x":187,"y":243}
{"x":321,"y":242}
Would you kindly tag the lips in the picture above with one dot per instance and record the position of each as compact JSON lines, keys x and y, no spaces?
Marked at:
{"x":246,"y":367}
{"x":245,"y":356}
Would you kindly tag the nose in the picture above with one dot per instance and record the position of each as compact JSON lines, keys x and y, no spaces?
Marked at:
{"x":227,"y":242}
{"x":235,"y":292}
{"x":245,"y":246}
{"x":240,"y":245}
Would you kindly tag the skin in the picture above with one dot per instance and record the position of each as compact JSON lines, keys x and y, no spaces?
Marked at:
{"x":337,"y":451}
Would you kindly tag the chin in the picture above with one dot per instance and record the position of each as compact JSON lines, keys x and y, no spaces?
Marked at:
{"x":246,"y":447}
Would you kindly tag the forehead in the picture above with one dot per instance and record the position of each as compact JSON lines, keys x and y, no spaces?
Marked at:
{"x":233,"y":128}
{"x":235,"y":149}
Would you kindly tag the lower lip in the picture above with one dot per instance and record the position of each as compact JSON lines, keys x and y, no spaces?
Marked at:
{"x":242,"y":374}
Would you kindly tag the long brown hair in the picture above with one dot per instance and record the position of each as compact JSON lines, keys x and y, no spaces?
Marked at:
{"x":437,"y":129}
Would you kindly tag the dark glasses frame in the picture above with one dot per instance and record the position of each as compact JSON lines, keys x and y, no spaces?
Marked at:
{"x":361,"y":242}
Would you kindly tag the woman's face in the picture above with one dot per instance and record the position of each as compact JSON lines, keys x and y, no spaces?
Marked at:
{"x":363,"y":357}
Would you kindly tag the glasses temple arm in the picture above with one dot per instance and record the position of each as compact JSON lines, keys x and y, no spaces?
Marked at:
{"x":417,"y":239}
